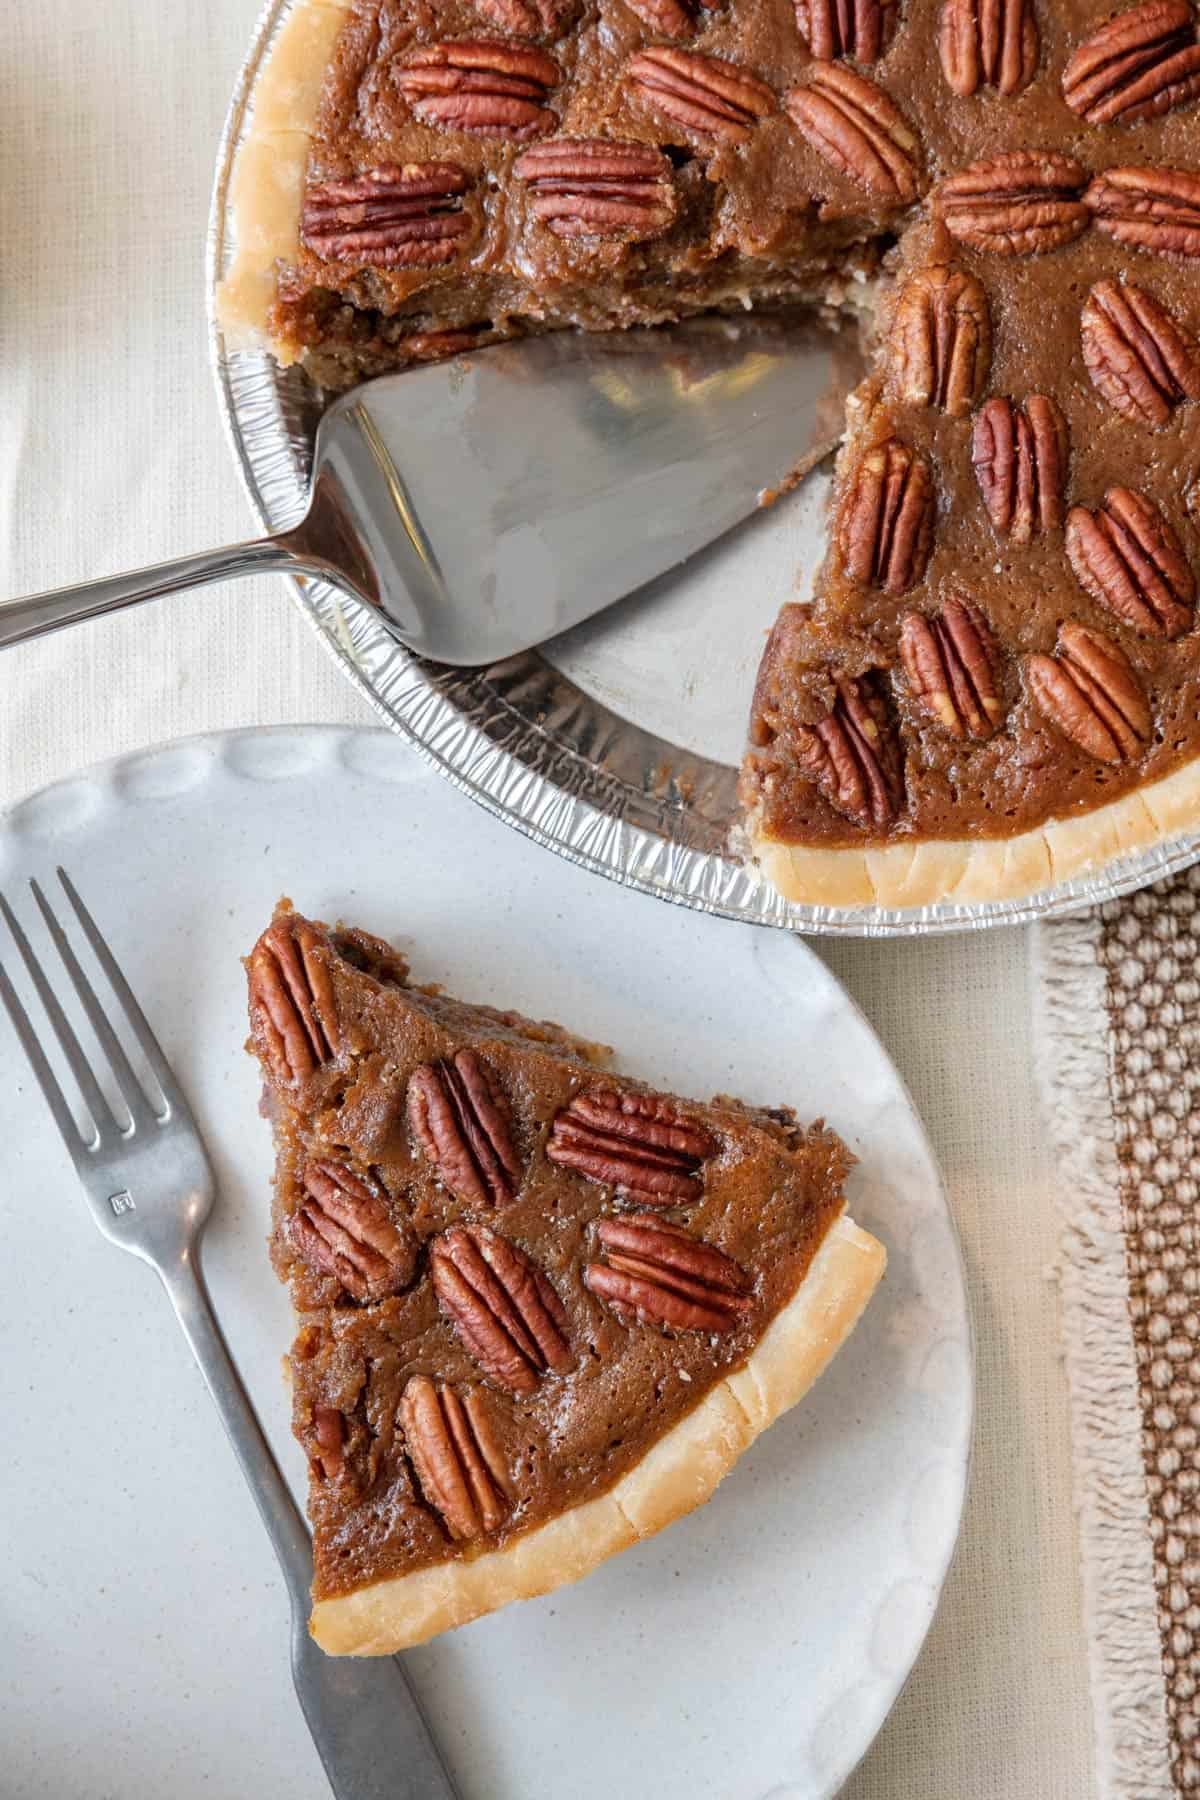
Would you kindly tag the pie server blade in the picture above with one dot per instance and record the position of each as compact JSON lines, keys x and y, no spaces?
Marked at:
{"x":489,"y":502}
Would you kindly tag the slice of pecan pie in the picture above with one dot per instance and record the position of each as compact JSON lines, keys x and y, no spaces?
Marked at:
{"x":998,"y":683}
{"x":542,"y":1309}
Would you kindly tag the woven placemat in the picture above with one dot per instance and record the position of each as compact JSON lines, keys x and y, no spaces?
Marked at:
{"x":1117,"y":1016}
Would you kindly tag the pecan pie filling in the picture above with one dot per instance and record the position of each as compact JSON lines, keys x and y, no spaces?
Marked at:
{"x":1002,"y":634}
{"x":514,"y":1272}
{"x":482,"y":170}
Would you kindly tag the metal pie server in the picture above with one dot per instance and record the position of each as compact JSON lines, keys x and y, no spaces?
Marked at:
{"x":486,"y":503}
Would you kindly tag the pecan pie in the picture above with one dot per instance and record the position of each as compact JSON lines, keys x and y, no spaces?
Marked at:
{"x":542,"y":1309}
{"x":997,"y":682}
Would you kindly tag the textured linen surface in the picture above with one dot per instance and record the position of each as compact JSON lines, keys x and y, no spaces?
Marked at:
{"x":1118,"y":1018}
{"x":111,"y":454}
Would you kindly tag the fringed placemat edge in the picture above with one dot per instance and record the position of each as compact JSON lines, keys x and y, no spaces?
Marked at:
{"x":1072,"y":1062}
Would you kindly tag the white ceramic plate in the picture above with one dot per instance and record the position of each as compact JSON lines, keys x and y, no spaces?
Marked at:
{"x":753,"y":1649}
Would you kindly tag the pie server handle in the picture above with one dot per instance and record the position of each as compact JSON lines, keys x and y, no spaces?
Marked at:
{"x":37,"y":614}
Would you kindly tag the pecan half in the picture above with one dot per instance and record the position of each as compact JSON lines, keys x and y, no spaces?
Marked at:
{"x":1148,"y":208}
{"x":1137,"y":66}
{"x":991,"y":43}
{"x":486,"y":86}
{"x":669,"y":18}
{"x":1137,"y":353}
{"x":293,"y":1012}
{"x":854,"y":756}
{"x":504,"y":1309}
{"x":343,"y":1228}
{"x":1127,"y":557}
{"x":859,"y":29}
{"x":597,"y":187}
{"x":406,"y":215}
{"x":1023,"y":202}
{"x":885,"y":527}
{"x":639,"y":1144}
{"x":459,"y":1118}
{"x":530,"y":18}
{"x":716,"y":99}
{"x":942,"y":340}
{"x":950,"y":661}
{"x":453,"y":1449}
{"x":1090,"y":692}
{"x":663,"y":1276}
{"x":1020,"y":457}
{"x":327,"y":1443}
{"x":850,"y":122}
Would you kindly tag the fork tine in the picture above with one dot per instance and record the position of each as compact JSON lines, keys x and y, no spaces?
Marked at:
{"x":141,"y":1108}
{"x":44,"y":1075}
{"x":139,"y":1024}
{"x":77,"y":1062}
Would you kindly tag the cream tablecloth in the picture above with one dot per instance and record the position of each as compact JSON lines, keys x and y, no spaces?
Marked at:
{"x":111,"y":454}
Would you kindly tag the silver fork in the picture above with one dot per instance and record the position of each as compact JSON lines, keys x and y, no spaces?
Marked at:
{"x":151,"y":1189}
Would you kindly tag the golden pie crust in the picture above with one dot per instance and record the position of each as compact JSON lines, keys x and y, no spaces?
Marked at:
{"x":542,"y":1309}
{"x":678,"y":1474}
{"x":268,"y":180}
{"x":932,"y":871}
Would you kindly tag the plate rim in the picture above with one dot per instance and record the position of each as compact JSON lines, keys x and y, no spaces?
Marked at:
{"x":105,"y":776}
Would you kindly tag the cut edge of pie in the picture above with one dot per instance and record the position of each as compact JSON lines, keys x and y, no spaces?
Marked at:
{"x":675,"y":1476}
{"x":266,"y":194}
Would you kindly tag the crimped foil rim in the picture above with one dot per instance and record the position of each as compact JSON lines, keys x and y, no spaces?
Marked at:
{"x":520,"y":738}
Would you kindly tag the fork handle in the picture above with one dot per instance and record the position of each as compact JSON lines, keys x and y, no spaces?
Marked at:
{"x":364,"y":1718}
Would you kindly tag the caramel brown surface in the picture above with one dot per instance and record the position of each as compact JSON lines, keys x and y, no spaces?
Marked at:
{"x":746,"y":1216}
{"x":1047,"y":158}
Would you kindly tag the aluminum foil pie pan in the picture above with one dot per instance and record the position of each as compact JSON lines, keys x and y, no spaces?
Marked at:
{"x":616,"y":745}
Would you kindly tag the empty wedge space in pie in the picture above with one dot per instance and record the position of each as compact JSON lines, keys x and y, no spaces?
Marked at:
{"x":1005,"y":197}
{"x":542,"y":1309}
